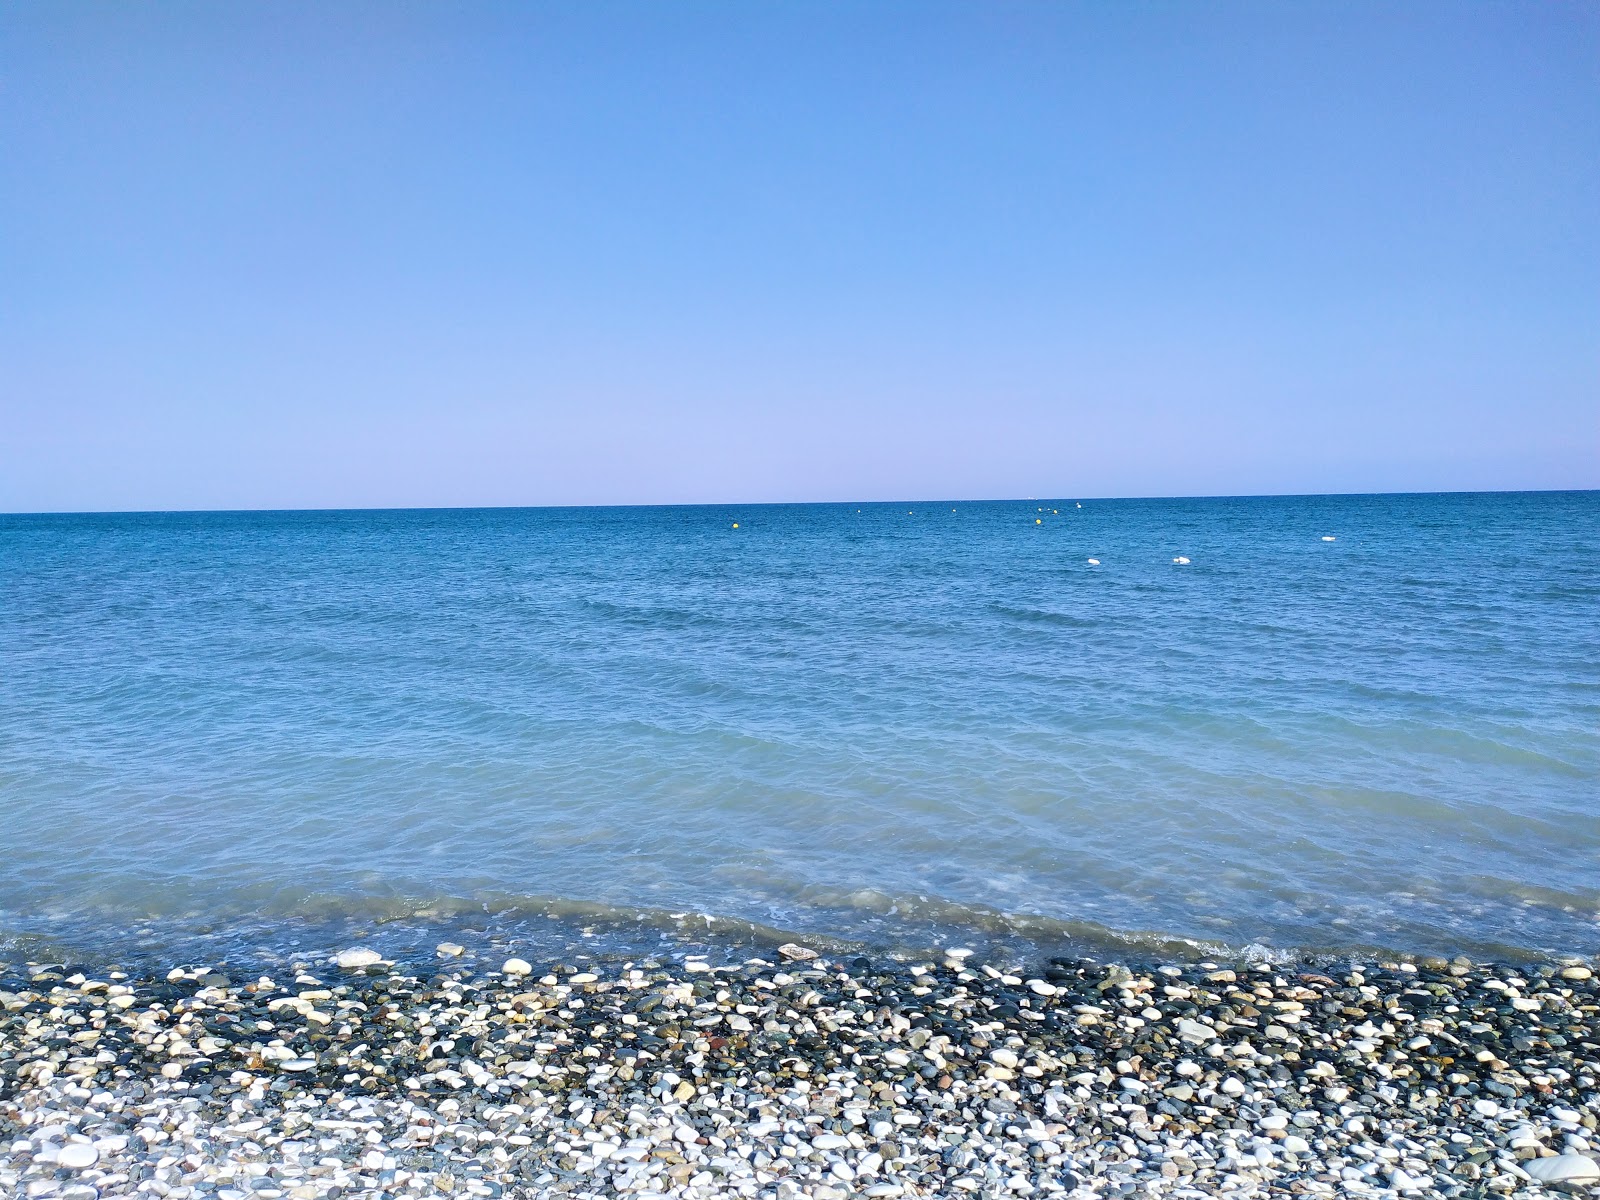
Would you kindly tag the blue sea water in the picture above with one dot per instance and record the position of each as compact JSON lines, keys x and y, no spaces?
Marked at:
{"x":890,"y":726}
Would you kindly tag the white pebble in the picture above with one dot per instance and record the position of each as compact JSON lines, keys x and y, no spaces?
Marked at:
{"x":76,"y":1156}
{"x":1563,"y":1168}
{"x":516,"y":966}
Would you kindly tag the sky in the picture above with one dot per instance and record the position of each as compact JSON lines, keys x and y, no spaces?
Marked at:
{"x":361,"y":253}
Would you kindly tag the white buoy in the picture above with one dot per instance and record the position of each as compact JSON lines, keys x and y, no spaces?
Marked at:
{"x":1094,"y":562}
{"x":1330,"y":539}
{"x":1181,"y":561}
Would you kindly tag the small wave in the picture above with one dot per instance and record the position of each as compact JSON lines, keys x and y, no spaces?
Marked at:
{"x":1045,"y":616}
{"x":903,"y":927}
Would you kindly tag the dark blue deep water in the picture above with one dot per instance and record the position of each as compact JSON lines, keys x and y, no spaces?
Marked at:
{"x":895,"y":725}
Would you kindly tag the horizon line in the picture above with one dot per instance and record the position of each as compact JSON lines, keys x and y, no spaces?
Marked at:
{"x":1059,"y":497}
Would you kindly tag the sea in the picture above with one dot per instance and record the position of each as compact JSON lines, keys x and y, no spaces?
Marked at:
{"x":1264,"y":727}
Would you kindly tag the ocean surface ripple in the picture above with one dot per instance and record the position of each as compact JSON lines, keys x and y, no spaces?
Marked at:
{"x":892,"y":724}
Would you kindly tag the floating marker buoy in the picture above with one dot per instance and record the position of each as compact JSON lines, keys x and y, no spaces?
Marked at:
{"x":1080,"y":506}
{"x":1094,"y":562}
{"x":1330,"y":539}
{"x":736,"y":524}
{"x":1037,"y":521}
{"x":1055,"y":512}
{"x":1181,"y":561}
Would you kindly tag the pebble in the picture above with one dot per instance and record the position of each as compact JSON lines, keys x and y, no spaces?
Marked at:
{"x":800,"y":1077}
{"x":77,"y":1156}
{"x":355,"y":959}
{"x":1564,"y":1168}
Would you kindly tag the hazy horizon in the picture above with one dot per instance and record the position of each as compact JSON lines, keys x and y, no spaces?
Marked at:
{"x":895,"y":500}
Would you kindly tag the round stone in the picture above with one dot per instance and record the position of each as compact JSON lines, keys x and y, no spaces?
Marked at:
{"x":76,"y":1156}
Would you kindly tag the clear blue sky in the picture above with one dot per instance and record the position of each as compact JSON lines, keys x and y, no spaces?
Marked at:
{"x":383,"y":253}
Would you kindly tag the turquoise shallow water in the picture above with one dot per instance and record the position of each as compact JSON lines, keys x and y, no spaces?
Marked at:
{"x":890,"y":724}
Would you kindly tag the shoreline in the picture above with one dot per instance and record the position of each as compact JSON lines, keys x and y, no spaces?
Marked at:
{"x":796,"y":1075}
{"x":553,"y":930}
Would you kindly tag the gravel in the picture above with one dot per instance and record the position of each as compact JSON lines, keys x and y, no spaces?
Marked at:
{"x":801,"y":1076}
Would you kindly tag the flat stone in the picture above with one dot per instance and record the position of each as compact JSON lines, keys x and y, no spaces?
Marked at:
{"x":357,"y":957}
{"x":1563,"y":1168}
{"x":516,"y":966}
{"x":75,"y":1156}
{"x":790,"y":950}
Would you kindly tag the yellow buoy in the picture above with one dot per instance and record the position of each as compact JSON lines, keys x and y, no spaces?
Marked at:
{"x":1038,"y":521}
{"x":736,"y":524}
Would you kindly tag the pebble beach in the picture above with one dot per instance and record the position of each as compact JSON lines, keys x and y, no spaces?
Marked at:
{"x":798,"y":1075}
